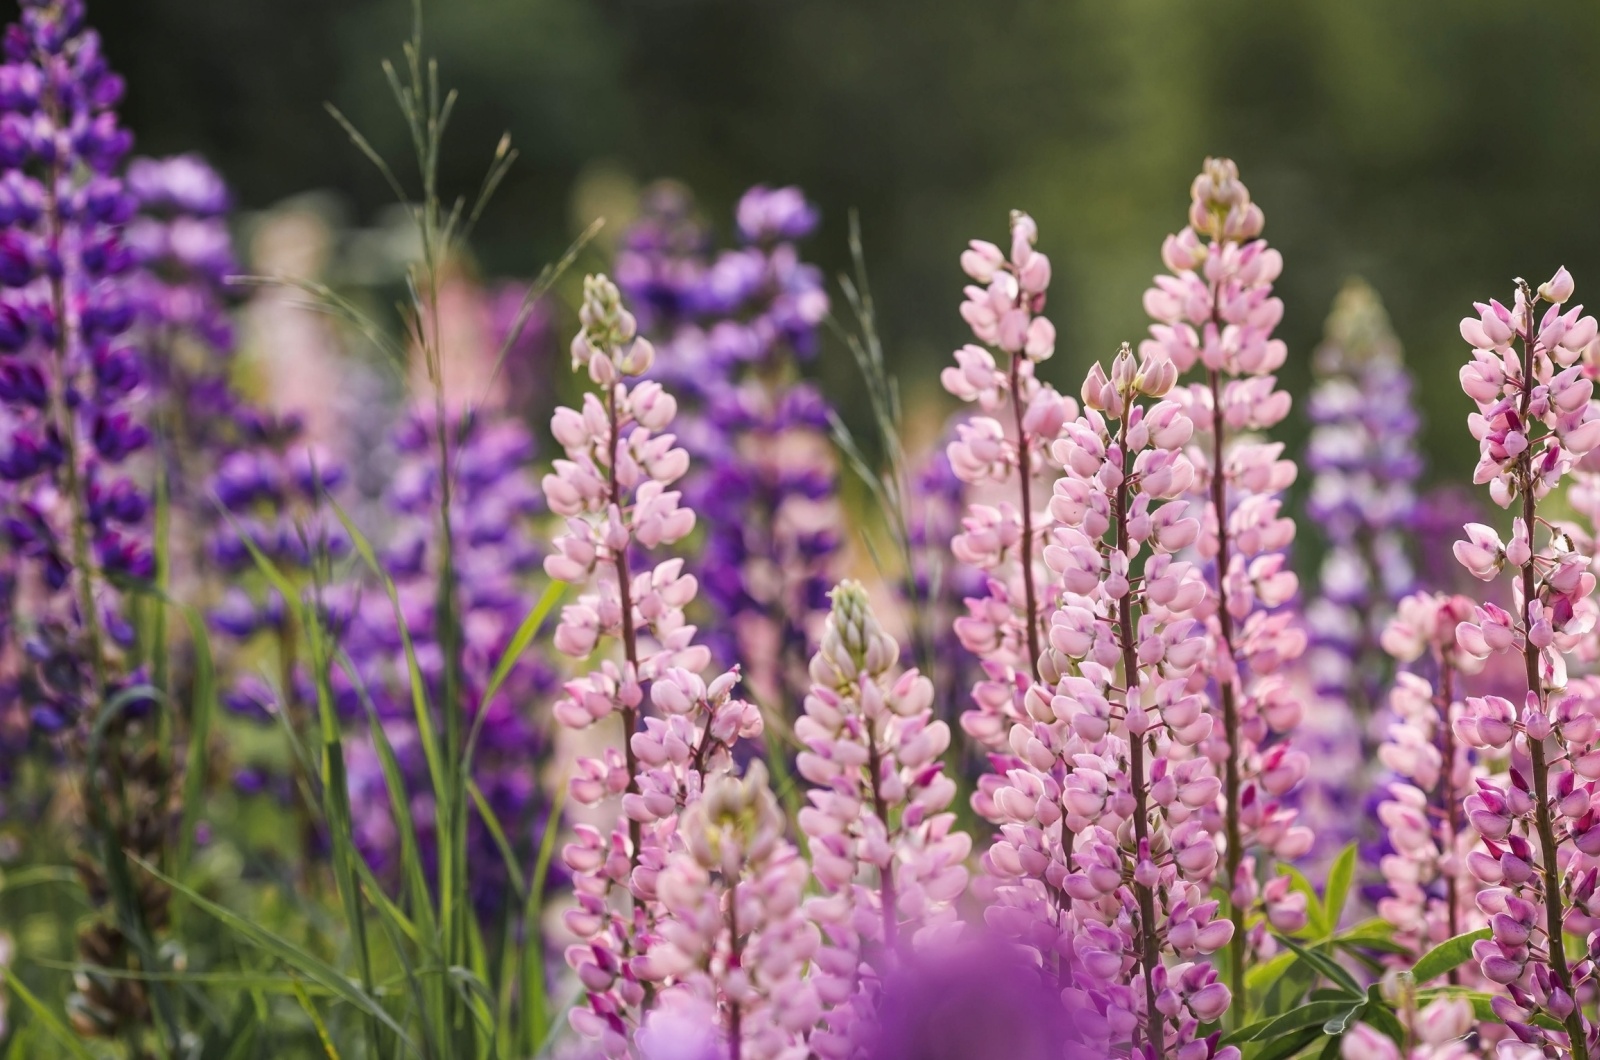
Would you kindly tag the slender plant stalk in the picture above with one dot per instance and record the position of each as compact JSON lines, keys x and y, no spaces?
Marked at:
{"x":1025,"y":473}
{"x":1149,"y":952}
{"x":1548,"y":843}
{"x":1230,"y":707}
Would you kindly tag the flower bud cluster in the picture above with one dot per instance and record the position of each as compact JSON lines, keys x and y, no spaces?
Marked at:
{"x":1005,"y":626}
{"x":883,"y":845}
{"x":1104,"y":859}
{"x":1517,"y":395}
{"x":1216,"y":310}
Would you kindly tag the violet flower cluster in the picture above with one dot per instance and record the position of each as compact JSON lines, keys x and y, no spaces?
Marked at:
{"x":70,"y":378}
{"x":883,"y":845}
{"x":1216,"y":310}
{"x":494,"y":497}
{"x":1364,"y":464}
{"x":1535,"y":420}
{"x":734,"y":331}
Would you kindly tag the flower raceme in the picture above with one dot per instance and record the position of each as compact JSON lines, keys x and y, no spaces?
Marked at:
{"x":1004,"y":628}
{"x":1103,"y":861}
{"x":1431,"y":892}
{"x":612,"y":488}
{"x":883,"y":847}
{"x":734,"y":942}
{"x":1216,"y":310}
{"x":1535,"y":420}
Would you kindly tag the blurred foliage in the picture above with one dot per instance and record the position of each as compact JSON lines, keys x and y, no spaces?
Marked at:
{"x":1437,"y":147}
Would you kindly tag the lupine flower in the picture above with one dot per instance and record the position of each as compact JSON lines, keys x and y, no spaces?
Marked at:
{"x":1216,"y":309}
{"x":1431,"y":892}
{"x":74,"y":520}
{"x":733,"y":936}
{"x":1535,"y":420}
{"x":882,"y":846}
{"x":69,"y":376}
{"x":613,"y":490}
{"x":1364,"y":464}
{"x":733,"y":332}
{"x":1104,"y":860}
{"x":493,"y":496}
{"x":1004,"y":627}
{"x":939,"y":584}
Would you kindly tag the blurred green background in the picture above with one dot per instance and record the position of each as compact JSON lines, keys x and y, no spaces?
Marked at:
{"x":1437,"y":147}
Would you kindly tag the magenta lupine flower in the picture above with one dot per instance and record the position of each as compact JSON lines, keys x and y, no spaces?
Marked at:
{"x":613,"y":490}
{"x":1103,"y":862}
{"x":1005,"y":626}
{"x":733,"y":938}
{"x":1535,"y":420}
{"x":1431,"y":892}
{"x":883,"y":846}
{"x":1216,"y":309}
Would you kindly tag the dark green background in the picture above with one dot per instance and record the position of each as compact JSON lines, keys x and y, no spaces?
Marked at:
{"x":1438,"y":147}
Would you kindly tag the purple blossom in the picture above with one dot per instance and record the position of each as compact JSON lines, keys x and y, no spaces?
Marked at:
{"x":732,"y":331}
{"x":70,"y":403}
{"x":1364,"y":463}
{"x":493,"y":499}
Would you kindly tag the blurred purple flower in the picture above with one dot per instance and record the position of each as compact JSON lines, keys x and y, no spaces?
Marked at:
{"x":973,"y":999}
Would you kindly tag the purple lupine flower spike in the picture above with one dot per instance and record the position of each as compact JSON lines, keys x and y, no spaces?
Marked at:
{"x":494,"y":496}
{"x":732,"y":331}
{"x":1364,"y":464}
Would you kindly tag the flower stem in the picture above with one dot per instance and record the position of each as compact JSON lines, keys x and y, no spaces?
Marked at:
{"x":1025,"y":473}
{"x":1543,"y":823}
{"x":630,"y":638}
{"x":1150,"y":957}
{"x":1230,"y":710}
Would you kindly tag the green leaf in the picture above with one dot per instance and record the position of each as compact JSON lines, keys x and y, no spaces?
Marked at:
{"x":529,"y":628}
{"x":1316,"y":916}
{"x":1264,"y":974}
{"x":1288,"y":1046}
{"x":1316,"y":1013}
{"x":1326,"y":965}
{"x":310,"y":1010}
{"x":1449,"y":954}
{"x":1340,"y":876}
